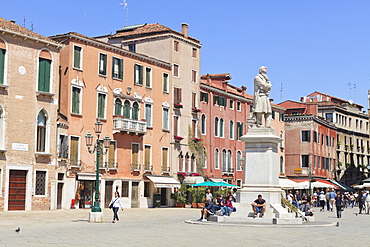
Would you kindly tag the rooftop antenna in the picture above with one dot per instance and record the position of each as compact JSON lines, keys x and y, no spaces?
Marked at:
{"x":350,"y":89}
{"x":125,"y":6}
{"x":24,"y":21}
{"x":354,"y":90}
{"x":281,"y":91}
{"x":32,"y":26}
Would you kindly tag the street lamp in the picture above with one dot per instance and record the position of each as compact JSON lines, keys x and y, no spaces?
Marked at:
{"x":99,"y":151}
{"x":310,"y":178}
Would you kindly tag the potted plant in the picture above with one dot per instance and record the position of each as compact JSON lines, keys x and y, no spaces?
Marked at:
{"x":193,"y":198}
{"x":178,"y":138}
{"x":195,"y":110}
{"x":178,"y":105}
{"x":180,"y":196}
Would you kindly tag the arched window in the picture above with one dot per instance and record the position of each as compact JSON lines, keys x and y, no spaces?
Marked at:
{"x":217,"y":159}
{"x":135,"y":111}
{"x":216,"y":126}
{"x":193,"y":164}
{"x":2,"y":61}
{"x":41,"y":132}
{"x":44,"y":71}
{"x":181,"y":162}
{"x":2,"y":131}
{"x":239,"y":160}
{"x":187,"y":165}
{"x":229,"y":161}
{"x":281,"y":164}
{"x":203,"y":124}
{"x":204,"y":158}
{"x":221,"y":127}
{"x":224,"y":158}
{"x":126,"y":109}
{"x":118,"y":107}
{"x":231,"y":130}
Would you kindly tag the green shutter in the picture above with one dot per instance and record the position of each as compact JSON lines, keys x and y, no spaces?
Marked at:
{"x":273,"y":114}
{"x":147,"y":77}
{"x":105,"y":64}
{"x":101,"y":105}
{"x":207,"y":97}
{"x":165,"y":77}
{"x":76,"y":100}
{"x":113,"y":60}
{"x":44,"y":75}
{"x":47,"y":65}
{"x":120,"y":69}
{"x":77,"y":57}
{"x":141,"y":75}
{"x":41,"y":75}
{"x":2,"y":65}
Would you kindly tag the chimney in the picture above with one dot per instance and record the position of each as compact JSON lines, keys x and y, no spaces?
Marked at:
{"x":185,"y":29}
{"x":12,"y":21}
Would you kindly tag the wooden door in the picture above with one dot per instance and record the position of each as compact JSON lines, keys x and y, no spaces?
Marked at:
{"x":108,"y":193}
{"x":59,"y":195}
{"x":135,"y":195}
{"x":163,"y":196}
{"x":17,"y":190}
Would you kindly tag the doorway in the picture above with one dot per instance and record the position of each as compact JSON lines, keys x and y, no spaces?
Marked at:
{"x":135,"y":195}
{"x":17,"y":190}
{"x":163,"y":196}
{"x":59,"y":195}
{"x":108,"y":193}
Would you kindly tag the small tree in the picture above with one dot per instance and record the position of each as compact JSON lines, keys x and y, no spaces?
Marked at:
{"x":196,"y":146}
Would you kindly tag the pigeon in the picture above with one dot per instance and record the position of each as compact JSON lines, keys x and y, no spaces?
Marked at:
{"x":337,"y":224}
{"x":18,"y":230}
{"x":356,"y":214}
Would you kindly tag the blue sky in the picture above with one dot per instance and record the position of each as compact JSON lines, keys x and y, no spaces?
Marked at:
{"x":307,"y":45}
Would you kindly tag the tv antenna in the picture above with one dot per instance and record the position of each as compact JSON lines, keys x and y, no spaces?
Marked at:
{"x":350,"y":89}
{"x":125,"y":6}
{"x":281,"y":91}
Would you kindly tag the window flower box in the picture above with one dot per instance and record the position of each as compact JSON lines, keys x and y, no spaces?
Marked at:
{"x":178,"y":105}
{"x":194,"y":174}
{"x":195,"y":110}
{"x":178,"y":138}
{"x":197,"y":139}
{"x":181,"y":174}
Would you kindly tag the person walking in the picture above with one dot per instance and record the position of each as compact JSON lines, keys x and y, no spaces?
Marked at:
{"x":361,"y":201}
{"x":339,"y":204}
{"x":367,"y":202}
{"x":322,"y":201}
{"x":115,"y":205}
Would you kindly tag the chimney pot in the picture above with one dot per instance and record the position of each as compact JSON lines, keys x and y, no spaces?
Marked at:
{"x":185,"y":29}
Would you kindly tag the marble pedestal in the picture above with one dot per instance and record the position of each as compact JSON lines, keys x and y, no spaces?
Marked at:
{"x":96,"y":217}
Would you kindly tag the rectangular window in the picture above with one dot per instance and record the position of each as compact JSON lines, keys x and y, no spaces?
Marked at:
{"x":134,"y":153}
{"x":101,"y":105}
{"x":148,"y":115}
{"x":175,"y":125}
{"x":238,"y":106}
{"x":76,"y":100}
{"x":306,"y":135}
{"x":147,"y":155}
{"x":77,"y":57}
{"x":204,"y":97}
{"x":176,"y":45}
{"x":194,"y":53}
{"x":146,"y":189}
{"x":305,"y":160}
{"x":273,"y":115}
{"x":74,"y":151}
{"x":40,"y":183}
{"x":165,"y":82}
{"x":314,"y":136}
{"x":194,"y":76}
{"x":322,"y":163}
{"x":63,"y":146}
{"x":231,"y":104}
{"x":138,"y":74}
{"x":164,"y":159}
{"x":148,"y":77}
{"x":318,"y":162}
{"x":44,"y":75}
{"x":239,"y":130}
{"x":314,"y":161}
{"x":117,"y":68}
{"x":194,"y":100}
{"x":124,"y":190}
{"x":176,"y":70}
{"x":281,"y":117}
{"x":165,"y":119}
{"x":329,"y":117}
{"x":112,"y":155}
{"x":2,"y":65}
{"x":102,"y":64}
{"x":132,"y":47}
{"x":177,"y":95}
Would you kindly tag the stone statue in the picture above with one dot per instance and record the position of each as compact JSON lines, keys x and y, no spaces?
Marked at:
{"x":262,"y":106}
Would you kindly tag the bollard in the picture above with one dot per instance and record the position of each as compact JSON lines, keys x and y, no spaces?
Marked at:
{"x":73,"y":201}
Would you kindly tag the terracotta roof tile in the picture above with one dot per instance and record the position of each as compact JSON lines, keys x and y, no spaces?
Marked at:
{"x":10,"y":26}
{"x":216,"y":75}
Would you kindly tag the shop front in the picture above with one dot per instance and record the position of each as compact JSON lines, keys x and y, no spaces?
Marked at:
{"x":85,"y":192}
{"x":163,"y":187}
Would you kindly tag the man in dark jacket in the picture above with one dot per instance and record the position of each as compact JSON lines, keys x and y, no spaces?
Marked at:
{"x":207,"y":210}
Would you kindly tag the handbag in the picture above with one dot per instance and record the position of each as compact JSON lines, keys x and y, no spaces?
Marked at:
{"x":111,"y":204}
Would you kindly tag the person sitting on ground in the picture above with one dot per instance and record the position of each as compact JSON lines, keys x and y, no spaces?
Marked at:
{"x":229,"y":194}
{"x":227,"y":206}
{"x":259,"y":206}
{"x":306,"y":208}
{"x":218,"y":203}
{"x":207,"y":210}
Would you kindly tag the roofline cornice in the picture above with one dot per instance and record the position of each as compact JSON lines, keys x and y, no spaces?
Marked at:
{"x":56,"y":44}
{"x":116,"y":49}
{"x":222,"y":92}
{"x":307,"y":118}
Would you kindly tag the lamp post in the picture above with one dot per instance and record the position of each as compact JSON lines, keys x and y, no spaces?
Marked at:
{"x":309,"y":178}
{"x":99,"y":151}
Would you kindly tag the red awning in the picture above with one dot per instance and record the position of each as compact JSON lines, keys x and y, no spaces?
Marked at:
{"x":328,"y":182}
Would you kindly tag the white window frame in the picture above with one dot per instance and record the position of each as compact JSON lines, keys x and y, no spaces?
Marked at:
{"x":138,"y":154}
{"x":137,"y":81}
{"x":178,"y":66}
{"x":205,"y":124}
{"x":231,"y":105}
{"x":221,"y":132}
{"x":117,"y":78}
{"x":105,"y":105}
{"x":151,"y":77}
{"x":168,"y":116}
{"x":239,"y":166}
{"x":2,"y":130}
{"x":165,"y":90}
{"x":47,"y":132}
{"x":59,"y":146}
{"x":150,"y":155}
{"x":167,"y":166}
{"x":149,"y":123}
{"x":81,"y":56}
{"x":46,"y":183}
{"x":51,"y":70}
{"x":106,"y":65}
{"x":217,"y":164}
{"x":238,"y":103}
{"x":196,"y":76}
{"x":78,"y":148}
{"x":232,"y":130}
{"x":80,"y":110}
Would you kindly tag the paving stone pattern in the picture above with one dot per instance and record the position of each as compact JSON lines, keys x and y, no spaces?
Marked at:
{"x":166,"y":227}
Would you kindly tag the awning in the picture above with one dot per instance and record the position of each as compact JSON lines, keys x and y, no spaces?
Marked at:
{"x":341,"y":186}
{"x":87,"y":176}
{"x":320,"y":183}
{"x":289,"y":184}
{"x":193,"y":180}
{"x":216,"y":180}
{"x":164,"y":181}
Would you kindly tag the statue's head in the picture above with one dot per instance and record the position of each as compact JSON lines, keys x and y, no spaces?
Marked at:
{"x":263,"y":69}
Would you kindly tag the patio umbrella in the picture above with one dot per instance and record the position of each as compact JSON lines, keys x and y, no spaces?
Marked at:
{"x":206,"y":183}
{"x":224,"y":184}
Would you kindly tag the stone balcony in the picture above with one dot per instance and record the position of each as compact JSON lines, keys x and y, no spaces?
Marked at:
{"x":121,"y":124}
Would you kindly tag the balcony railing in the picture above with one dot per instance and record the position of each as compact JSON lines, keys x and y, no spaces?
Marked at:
{"x":73,"y":163}
{"x":165,"y":169}
{"x":148,"y":167}
{"x":135,"y":167}
{"x":129,"y":125}
{"x":227,"y":170}
{"x":111,"y":165}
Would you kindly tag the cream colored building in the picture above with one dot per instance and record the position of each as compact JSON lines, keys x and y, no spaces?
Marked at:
{"x":183,"y":53}
{"x":28,"y":111}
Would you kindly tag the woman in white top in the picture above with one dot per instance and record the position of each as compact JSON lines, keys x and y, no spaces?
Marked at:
{"x":115,"y":204}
